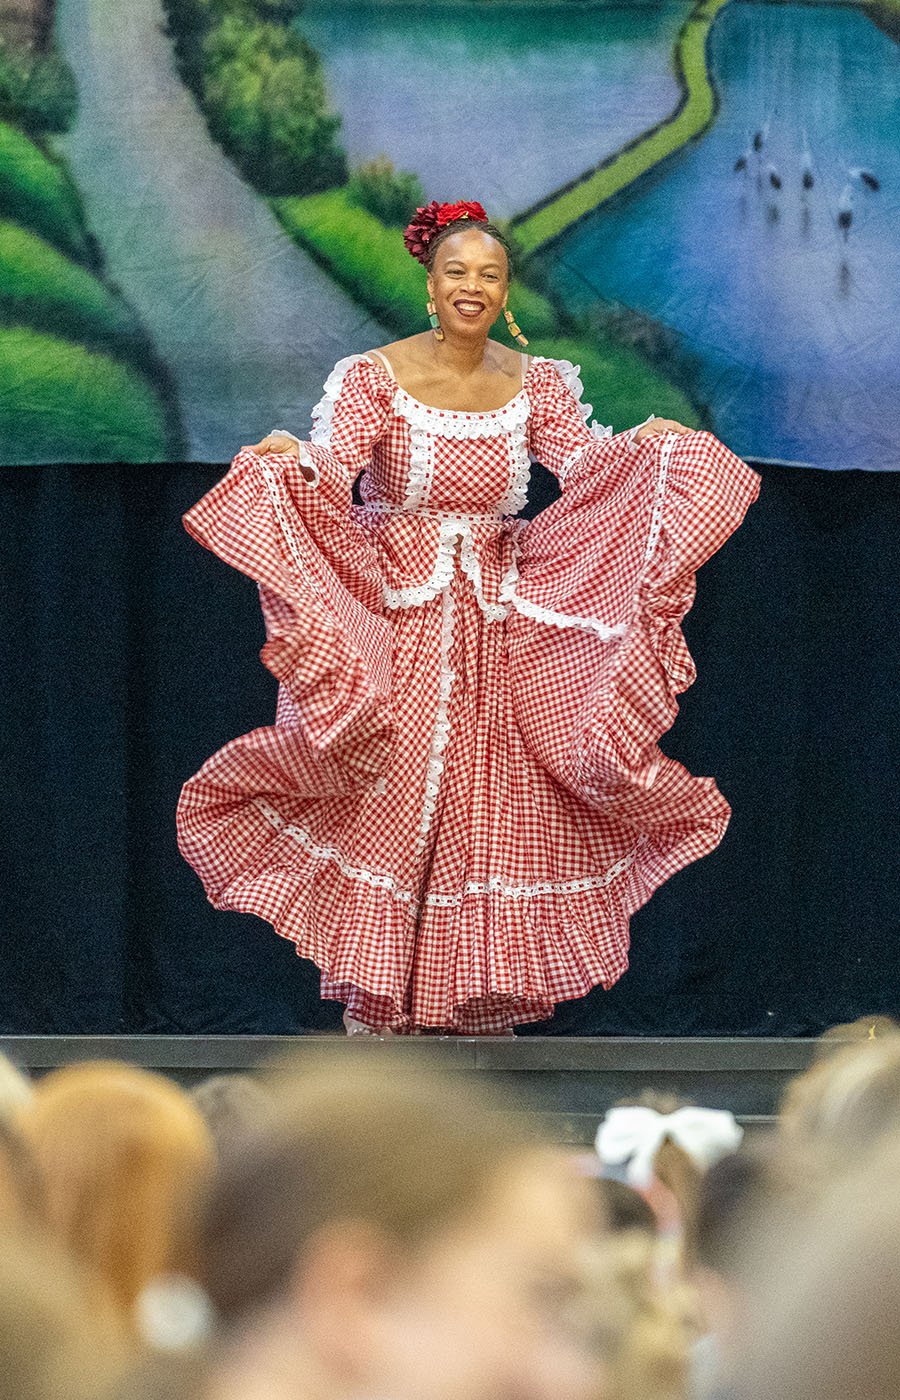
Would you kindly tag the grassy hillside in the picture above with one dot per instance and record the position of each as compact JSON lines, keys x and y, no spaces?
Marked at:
{"x":79,"y":379}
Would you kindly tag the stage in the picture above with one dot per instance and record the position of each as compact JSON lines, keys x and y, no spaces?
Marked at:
{"x":570,"y":1082}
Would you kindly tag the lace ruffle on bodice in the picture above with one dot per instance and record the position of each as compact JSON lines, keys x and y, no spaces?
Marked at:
{"x":441,"y":484}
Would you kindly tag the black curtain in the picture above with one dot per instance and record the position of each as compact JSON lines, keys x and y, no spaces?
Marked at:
{"x":129,"y":654}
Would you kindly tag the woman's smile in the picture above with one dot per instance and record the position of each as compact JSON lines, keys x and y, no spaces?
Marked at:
{"x":471,"y":309}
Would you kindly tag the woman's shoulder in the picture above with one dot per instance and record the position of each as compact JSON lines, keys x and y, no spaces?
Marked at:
{"x":398,"y":353}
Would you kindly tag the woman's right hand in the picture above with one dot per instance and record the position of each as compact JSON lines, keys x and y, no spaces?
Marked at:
{"x":273,"y":443}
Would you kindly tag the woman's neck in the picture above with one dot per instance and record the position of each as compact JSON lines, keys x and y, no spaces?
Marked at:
{"x":460,"y":357}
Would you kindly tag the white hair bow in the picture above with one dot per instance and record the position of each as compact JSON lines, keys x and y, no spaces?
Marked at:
{"x":634,"y":1134}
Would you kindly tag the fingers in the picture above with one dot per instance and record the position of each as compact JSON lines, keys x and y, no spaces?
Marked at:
{"x":667,"y":425}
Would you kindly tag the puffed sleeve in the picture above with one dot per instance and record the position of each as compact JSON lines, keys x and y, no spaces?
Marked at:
{"x":558,"y":426}
{"x":346,"y":423}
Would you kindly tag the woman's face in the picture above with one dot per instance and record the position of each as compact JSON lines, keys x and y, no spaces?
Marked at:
{"x":468,"y":283}
{"x":481,"y":1313}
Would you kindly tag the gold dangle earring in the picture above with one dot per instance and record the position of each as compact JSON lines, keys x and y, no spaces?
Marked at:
{"x":434,"y":319}
{"x":514,"y":330}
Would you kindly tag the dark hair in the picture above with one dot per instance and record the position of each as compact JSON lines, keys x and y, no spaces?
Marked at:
{"x":456,"y":226}
{"x":626,"y":1208}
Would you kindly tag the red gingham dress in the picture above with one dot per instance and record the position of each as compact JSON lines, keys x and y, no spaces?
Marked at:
{"x":462,"y":800}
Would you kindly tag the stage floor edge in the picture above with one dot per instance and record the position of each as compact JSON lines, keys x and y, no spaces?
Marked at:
{"x":569,"y":1081}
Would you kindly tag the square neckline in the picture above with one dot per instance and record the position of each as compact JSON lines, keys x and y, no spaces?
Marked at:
{"x":451,"y":412}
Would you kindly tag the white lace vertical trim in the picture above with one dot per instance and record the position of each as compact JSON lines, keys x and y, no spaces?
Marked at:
{"x":519,"y":472}
{"x":441,"y":733}
{"x":656,"y":514}
{"x":421,"y":468}
{"x":273,"y":488}
{"x":495,"y":884}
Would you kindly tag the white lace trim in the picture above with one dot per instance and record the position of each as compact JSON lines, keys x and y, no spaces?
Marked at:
{"x":458,"y":423}
{"x":570,"y":373}
{"x":656,"y":514}
{"x":453,"y":528}
{"x":441,"y":574}
{"x":273,"y":487}
{"x":440,"y":736}
{"x":377,"y":879}
{"x":519,"y":472}
{"x":421,"y":468}
{"x":323,"y":411}
{"x":496,"y":884}
{"x":507,"y":595}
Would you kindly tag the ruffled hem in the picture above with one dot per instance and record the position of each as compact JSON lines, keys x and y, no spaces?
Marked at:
{"x":474,"y":963}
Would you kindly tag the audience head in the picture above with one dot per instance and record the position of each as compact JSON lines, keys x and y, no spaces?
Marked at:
{"x":664,"y":1145}
{"x":841,"y":1106}
{"x":121,"y":1152}
{"x":15,"y":1089}
{"x":409,"y":1230}
{"x":53,"y":1344}
{"x":642,"y":1331}
{"x":823,"y":1316}
{"x":230,"y":1103}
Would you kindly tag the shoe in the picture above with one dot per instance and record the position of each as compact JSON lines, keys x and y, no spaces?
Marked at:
{"x":355,"y":1027}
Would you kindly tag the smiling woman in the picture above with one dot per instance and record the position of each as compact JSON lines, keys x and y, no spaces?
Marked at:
{"x":462,"y":799}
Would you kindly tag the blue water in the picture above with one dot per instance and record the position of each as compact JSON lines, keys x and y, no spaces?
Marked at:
{"x":501,"y":103}
{"x":796,"y":332}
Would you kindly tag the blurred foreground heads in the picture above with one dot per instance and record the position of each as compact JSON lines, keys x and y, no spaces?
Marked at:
{"x":396,"y":1233}
{"x":122,"y":1154}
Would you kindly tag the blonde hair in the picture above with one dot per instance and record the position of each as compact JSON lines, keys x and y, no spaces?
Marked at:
{"x":121,"y":1151}
{"x":15,"y":1089}
{"x":640,"y":1329}
{"x":53,"y":1344}
{"x":826,"y":1292}
{"x":839,"y":1107}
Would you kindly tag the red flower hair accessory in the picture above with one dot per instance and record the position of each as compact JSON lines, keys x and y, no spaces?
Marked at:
{"x":428,"y":221}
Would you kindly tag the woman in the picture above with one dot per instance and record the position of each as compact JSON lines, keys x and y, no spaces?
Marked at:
{"x":461,"y":801}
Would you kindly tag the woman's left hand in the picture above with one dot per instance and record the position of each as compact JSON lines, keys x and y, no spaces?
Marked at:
{"x":660,"y":425}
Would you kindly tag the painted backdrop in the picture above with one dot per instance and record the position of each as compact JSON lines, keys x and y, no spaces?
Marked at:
{"x":201,"y":204}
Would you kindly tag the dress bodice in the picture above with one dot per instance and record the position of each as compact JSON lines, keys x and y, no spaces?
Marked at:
{"x":432,"y":459}
{"x":417,"y":458}
{"x":441,"y":485}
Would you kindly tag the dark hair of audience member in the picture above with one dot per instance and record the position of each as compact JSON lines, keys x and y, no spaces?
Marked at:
{"x":626,"y":1208}
{"x":676,"y":1170}
{"x":734,"y":1194}
{"x":405,"y":1150}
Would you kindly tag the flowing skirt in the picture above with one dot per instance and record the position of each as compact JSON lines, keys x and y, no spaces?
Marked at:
{"x":454,"y":814}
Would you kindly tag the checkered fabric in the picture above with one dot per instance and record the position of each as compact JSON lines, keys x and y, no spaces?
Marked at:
{"x":462,"y":800}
